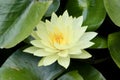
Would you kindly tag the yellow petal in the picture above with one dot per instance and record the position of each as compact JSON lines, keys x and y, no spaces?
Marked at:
{"x":64,"y":61}
{"x":31,"y":49}
{"x":83,"y":55}
{"x":48,"y":60}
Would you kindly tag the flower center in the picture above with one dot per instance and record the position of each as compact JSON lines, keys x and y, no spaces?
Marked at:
{"x":58,"y":38}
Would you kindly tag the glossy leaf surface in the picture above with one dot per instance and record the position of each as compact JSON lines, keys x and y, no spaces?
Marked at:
{"x":87,"y":71}
{"x":73,"y":75}
{"x":114,"y":47}
{"x":18,"y":18}
{"x":113,"y":10}
{"x":23,"y":66}
{"x":93,"y":11}
{"x":100,"y":43}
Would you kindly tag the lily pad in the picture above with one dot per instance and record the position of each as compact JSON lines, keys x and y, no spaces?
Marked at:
{"x":93,"y":11}
{"x":113,"y":10}
{"x":23,"y":66}
{"x":18,"y":18}
{"x":114,"y":47}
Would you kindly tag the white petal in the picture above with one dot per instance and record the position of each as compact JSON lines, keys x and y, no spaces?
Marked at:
{"x":61,"y":46}
{"x":75,"y":50}
{"x":43,"y":35}
{"x":42,"y":52}
{"x":51,"y":50}
{"x":54,"y":26}
{"x":41,"y":62}
{"x":79,"y":32}
{"x":63,"y":53}
{"x":47,"y":44}
{"x":48,"y":60}
{"x":42,"y":31}
{"x":64,"y":61}
{"x":34,"y":34}
{"x":53,"y":17}
{"x":84,"y":44}
{"x":66,"y":19}
{"x":31,"y":49}
{"x":77,"y":22}
{"x":42,"y":44}
{"x":37,"y":43}
{"x":50,"y":26}
{"x":65,"y":14}
{"x":41,"y":25}
{"x":83,"y":55}
{"x":88,"y":36}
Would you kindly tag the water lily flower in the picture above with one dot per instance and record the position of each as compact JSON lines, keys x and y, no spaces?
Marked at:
{"x":60,"y":39}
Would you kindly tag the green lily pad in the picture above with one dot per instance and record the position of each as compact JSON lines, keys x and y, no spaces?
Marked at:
{"x":23,"y":66}
{"x":72,"y":75}
{"x":87,"y":71}
{"x":100,"y":43}
{"x":18,"y":18}
{"x":114,"y":47}
{"x":93,"y":11}
{"x":113,"y":10}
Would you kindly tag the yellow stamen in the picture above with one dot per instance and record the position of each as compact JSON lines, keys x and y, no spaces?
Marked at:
{"x":58,"y":38}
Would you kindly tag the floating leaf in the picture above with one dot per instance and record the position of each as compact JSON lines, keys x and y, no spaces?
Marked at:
{"x":114,"y":47}
{"x":100,"y":43}
{"x":93,"y":11}
{"x":16,"y":74}
{"x":113,"y":10}
{"x":87,"y":71}
{"x":73,"y":75}
{"x":23,"y":66}
{"x":18,"y":18}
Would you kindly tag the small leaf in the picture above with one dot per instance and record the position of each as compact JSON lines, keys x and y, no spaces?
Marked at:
{"x":72,"y":75}
{"x":23,"y":66}
{"x":93,"y":11}
{"x":114,"y":47}
{"x":18,"y":18}
{"x":100,"y":43}
{"x":113,"y":10}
